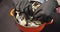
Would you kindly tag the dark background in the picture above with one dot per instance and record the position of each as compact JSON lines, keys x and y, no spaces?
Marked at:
{"x":7,"y":23}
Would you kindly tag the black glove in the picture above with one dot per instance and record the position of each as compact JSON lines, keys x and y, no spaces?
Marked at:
{"x":45,"y":12}
{"x":28,"y":10}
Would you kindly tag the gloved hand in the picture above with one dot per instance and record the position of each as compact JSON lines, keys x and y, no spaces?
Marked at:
{"x":45,"y":11}
{"x":28,"y":10}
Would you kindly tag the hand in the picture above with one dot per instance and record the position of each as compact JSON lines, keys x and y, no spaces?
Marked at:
{"x":45,"y":12}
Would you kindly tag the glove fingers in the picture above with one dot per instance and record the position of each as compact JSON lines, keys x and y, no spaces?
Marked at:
{"x":39,"y":9}
{"x":39,"y":14}
{"x":45,"y":18}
